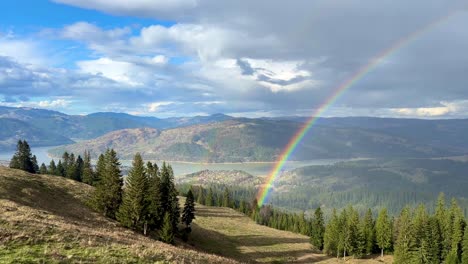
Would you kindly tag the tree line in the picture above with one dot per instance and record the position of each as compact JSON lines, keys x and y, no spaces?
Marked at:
{"x":414,"y":236}
{"x":147,"y":202}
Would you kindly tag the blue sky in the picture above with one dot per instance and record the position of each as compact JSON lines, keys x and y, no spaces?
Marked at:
{"x":262,"y":58}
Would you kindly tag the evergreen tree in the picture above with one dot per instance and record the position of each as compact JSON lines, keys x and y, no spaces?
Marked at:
{"x":43,"y":169}
{"x":167,"y":232}
{"x":23,"y":159}
{"x":331,"y":237}
{"x":443,"y":219}
{"x":168,"y":194}
{"x":153,"y":197}
{"x":458,"y":225}
{"x":464,"y":259}
{"x":78,"y":173}
{"x":317,"y":229}
{"x":35,"y":164}
{"x":65,"y":162}
{"x":52,"y":168}
{"x":383,"y":231}
{"x":209,"y":200}
{"x":70,"y":167}
{"x":100,"y":169}
{"x":226,"y":198}
{"x":368,"y":233}
{"x":404,"y":243}
{"x":133,"y":210}
{"x":88,"y":175}
{"x":60,"y":169}
{"x":201,"y":196}
{"x":188,"y":214}
{"x":108,"y":192}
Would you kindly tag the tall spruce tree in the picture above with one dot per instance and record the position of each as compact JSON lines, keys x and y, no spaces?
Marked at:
{"x":43,"y":169}
{"x":404,"y":244}
{"x":88,"y":175}
{"x":209,"y":199}
{"x":464,"y":259}
{"x":60,"y":169}
{"x":100,"y":169}
{"x":383,"y":231}
{"x":317,"y":229}
{"x":331,"y":237}
{"x":153,"y":196}
{"x":133,"y":210}
{"x":52,"y":168}
{"x":167,"y":232}
{"x":368,"y":233}
{"x":168,"y":194}
{"x":108,"y":192}
{"x":226,"y":198}
{"x":188,"y":213}
{"x":35,"y":164}
{"x":23,"y":159}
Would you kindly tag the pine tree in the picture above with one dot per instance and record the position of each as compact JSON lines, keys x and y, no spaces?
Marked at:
{"x":318,"y":229}
{"x":383,"y":231}
{"x":88,"y":176}
{"x":464,"y":259}
{"x":108,"y":192}
{"x":23,"y":159}
{"x":458,"y":225}
{"x":168,"y":194}
{"x":209,"y":200}
{"x":331,"y":236}
{"x":78,"y":173}
{"x":60,"y":169}
{"x":52,"y":168}
{"x":100,"y":169}
{"x":65,"y":162}
{"x":201,"y":199}
{"x":188,"y":214}
{"x":368,"y":233}
{"x":420,"y":224}
{"x":444,"y":222}
{"x":133,"y":210}
{"x":43,"y":169}
{"x":167,"y":232}
{"x":35,"y":164}
{"x":70,"y":167}
{"x":153,"y":197}
{"x":404,"y":243}
{"x":226,"y":198}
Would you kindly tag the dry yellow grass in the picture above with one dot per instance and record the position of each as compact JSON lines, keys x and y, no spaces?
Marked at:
{"x":43,"y":219}
{"x":226,"y":232}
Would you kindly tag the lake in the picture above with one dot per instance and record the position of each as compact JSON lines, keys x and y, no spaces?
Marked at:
{"x":258,"y":169}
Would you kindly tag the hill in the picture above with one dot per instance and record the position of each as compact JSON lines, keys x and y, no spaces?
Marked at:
{"x":51,"y":128}
{"x":254,"y":140}
{"x":372,"y":183}
{"x":44,"y":219}
{"x":14,"y":130}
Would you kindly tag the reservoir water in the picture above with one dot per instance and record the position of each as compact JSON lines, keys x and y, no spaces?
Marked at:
{"x":258,"y":169}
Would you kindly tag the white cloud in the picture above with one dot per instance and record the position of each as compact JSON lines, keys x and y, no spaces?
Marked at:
{"x":154,"y":107}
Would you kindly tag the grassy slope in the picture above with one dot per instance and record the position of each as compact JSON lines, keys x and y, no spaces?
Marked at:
{"x":226,"y":232}
{"x":43,"y":219}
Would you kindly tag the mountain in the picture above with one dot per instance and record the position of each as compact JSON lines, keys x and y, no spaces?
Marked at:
{"x":13,"y":130}
{"x":51,"y":128}
{"x":393,"y":183}
{"x":44,"y":219}
{"x":255,"y":140}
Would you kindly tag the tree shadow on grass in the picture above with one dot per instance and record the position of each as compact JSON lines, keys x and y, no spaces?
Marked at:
{"x":252,"y":248}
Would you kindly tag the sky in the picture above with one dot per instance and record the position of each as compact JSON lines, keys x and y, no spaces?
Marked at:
{"x":242,"y":58}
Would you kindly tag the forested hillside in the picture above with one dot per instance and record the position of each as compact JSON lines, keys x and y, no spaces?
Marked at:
{"x":249,"y":140}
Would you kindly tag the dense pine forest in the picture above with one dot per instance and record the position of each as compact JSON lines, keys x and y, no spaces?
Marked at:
{"x":148,"y":203}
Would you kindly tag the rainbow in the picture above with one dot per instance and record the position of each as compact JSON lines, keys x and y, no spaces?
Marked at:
{"x":266,"y":188}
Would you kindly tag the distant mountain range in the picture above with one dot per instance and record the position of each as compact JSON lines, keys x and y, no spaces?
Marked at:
{"x":256,"y":140}
{"x":47,"y":128}
{"x":222,"y":138}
